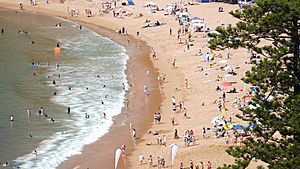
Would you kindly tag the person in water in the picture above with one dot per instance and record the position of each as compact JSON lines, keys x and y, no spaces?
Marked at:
{"x":69,"y":110}
{"x":12,"y":118}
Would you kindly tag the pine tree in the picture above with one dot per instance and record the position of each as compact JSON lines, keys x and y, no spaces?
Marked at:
{"x":271,"y":28}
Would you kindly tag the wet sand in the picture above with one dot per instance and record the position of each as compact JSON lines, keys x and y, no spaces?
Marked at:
{"x":139,"y":112}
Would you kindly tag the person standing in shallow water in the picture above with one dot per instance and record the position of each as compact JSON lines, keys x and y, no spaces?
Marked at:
{"x":69,"y":110}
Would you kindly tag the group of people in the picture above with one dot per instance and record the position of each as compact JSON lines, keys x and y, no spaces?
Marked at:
{"x":161,"y":162}
{"x":192,"y":165}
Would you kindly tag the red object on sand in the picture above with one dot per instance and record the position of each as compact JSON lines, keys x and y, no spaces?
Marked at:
{"x":226,"y":84}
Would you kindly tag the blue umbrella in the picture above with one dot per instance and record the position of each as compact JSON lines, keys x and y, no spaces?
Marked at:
{"x":238,"y":127}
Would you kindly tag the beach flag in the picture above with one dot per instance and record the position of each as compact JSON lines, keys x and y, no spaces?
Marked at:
{"x":117,"y":157}
{"x":174,"y":149}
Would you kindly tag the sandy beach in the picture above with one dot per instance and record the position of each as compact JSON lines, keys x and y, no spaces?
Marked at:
{"x":189,"y":79}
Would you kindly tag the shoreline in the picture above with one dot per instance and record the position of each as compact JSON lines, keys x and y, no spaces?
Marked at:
{"x":139,"y":57}
{"x":191,"y":80}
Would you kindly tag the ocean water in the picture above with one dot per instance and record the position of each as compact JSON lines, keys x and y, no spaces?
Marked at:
{"x":89,"y":77}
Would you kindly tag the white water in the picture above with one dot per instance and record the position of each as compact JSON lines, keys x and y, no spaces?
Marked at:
{"x":84,"y":56}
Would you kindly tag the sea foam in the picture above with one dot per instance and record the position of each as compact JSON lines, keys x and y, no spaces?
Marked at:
{"x":84,"y":56}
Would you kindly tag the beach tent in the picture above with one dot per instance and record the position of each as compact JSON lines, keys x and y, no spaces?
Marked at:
{"x":130,"y":2}
{"x":198,"y":24}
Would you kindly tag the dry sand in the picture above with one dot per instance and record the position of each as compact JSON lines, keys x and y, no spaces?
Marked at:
{"x":201,"y":84}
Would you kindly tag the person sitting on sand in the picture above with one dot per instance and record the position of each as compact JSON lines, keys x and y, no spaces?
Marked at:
{"x":232,"y":90}
{"x":218,"y":89}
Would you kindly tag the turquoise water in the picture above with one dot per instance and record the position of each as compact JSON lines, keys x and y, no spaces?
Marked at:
{"x":89,"y":71}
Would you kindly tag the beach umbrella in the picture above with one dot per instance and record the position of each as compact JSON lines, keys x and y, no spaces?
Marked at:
{"x":238,"y":127}
{"x":227,"y":126}
{"x":228,"y":68}
{"x":226,"y":84}
{"x":228,"y":75}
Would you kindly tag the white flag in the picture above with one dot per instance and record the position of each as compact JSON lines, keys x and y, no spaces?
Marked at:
{"x":117,"y":157}
{"x":174,"y":149}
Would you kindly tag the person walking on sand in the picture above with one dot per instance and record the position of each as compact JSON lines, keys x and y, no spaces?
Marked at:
{"x":203,"y":132}
{"x":141,"y":159}
{"x":134,"y":133}
{"x":176,"y":134}
{"x":2,"y":31}
{"x":145,"y":90}
{"x":174,"y":63}
{"x":170,"y":31}
{"x":208,"y":165}
{"x":150,"y":161}
{"x":186,"y":84}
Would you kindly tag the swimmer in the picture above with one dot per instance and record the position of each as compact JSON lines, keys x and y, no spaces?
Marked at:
{"x":54,"y":94}
{"x":30,"y":136}
{"x":52,"y":120}
{"x":2,"y":31}
{"x":53,"y":82}
{"x":70,"y":88}
{"x":6,"y":164}
{"x":102,"y":102}
{"x":12,"y":118}
{"x":69,"y":110}
{"x":103,"y":86}
{"x":28,"y":112}
{"x":80,"y":27}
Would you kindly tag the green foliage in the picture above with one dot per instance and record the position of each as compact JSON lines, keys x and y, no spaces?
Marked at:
{"x":272,"y":30}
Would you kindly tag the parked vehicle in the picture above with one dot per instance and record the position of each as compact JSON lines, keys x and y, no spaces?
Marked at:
{"x":246,"y":3}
